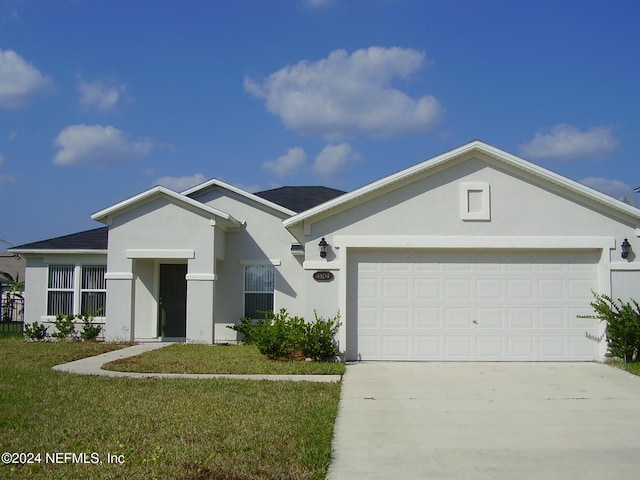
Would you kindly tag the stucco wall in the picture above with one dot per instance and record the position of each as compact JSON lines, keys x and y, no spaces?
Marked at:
{"x":261,"y":240}
{"x":426,"y":213}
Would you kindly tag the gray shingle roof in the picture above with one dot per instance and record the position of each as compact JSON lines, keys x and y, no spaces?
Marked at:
{"x":95,"y":239}
{"x":300,"y":199}
{"x":297,"y":199}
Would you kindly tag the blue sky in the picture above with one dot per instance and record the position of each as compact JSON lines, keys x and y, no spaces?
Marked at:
{"x":100,"y":100}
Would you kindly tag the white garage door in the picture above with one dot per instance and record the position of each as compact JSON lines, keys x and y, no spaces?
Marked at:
{"x":448,"y":305}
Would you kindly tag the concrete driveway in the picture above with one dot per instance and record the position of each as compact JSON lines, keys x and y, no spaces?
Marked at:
{"x":487,"y":421}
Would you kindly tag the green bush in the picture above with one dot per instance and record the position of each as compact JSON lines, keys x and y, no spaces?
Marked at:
{"x":35,"y":331}
{"x":623,"y":325}
{"x":280,"y":336}
{"x":90,"y":330}
{"x":65,"y":327}
{"x":318,"y":342}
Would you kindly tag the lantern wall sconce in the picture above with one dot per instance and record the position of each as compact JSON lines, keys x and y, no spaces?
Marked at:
{"x":625,"y":248}
{"x":323,"y":248}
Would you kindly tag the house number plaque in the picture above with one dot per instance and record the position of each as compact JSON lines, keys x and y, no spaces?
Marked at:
{"x":323,"y":276}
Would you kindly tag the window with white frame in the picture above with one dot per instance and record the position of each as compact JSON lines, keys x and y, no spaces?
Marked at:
{"x":259,"y":285}
{"x":76,"y":289}
{"x":93,"y":290}
{"x":60,"y":289}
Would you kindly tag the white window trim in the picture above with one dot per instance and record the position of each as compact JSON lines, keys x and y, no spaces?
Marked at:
{"x":246,"y":264}
{"x":77,"y":286}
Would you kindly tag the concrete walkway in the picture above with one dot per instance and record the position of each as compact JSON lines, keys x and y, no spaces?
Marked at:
{"x":481,"y":421}
{"x":93,"y":366}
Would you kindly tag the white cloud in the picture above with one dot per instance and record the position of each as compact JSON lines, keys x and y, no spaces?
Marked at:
{"x":344,"y":95}
{"x":180,"y":184}
{"x":288,"y":164}
{"x":100,"y":95}
{"x":334,"y":159}
{"x":566,"y":142}
{"x":98,"y":146}
{"x":19,"y":80}
{"x":615,"y":188}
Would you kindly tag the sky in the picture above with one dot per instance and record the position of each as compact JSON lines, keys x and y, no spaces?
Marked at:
{"x":101,"y":100}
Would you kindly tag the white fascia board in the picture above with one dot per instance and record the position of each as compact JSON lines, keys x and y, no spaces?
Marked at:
{"x":478,"y":146}
{"x":103,"y":215}
{"x":250,"y":196}
{"x":30,"y":251}
{"x":560,"y":180}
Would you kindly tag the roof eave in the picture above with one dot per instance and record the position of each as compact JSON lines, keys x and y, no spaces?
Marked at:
{"x":104,"y":215}
{"x":475,"y":145}
{"x":57,"y":251}
{"x":239,"y":191}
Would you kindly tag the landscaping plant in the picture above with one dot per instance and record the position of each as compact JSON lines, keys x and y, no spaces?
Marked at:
{"x":623,"y":325}
{"x":280,"y":336}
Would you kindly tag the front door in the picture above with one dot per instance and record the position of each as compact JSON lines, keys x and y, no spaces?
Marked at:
{"x":172,"y":311}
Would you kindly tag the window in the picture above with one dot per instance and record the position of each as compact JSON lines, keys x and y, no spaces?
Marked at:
{"x":93,"y":290}
{"x":60,"y":290}
{"x":259,"y":285}
{"x":76,"y":289}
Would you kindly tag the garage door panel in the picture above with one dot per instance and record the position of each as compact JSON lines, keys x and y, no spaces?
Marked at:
{"x":551,"y":289}
{"x":426,"y":289}
{"x":489,"y":289}
{"x":426,"y":318}
{"x":489,"y":317}
{"x":551,"y":347}
{"x":396,"y":347}
{"x":552,"y":318}
{"x":489,"y":347}
{"x":520,"y":289}
{"x":428,"y":347}
{"x":433,"y":305}
{"x":396,"y":289}
{"x":459,"y":347}
{"x":519,"y":318}
{"x":458,"y":317}
{"x":520,"y":347}
{"x":394,"y":318}
{"x":458,"y":289}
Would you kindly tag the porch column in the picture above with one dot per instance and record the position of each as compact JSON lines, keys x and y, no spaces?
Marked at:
{"x":200,"y":303}
{"x":119,"y":321}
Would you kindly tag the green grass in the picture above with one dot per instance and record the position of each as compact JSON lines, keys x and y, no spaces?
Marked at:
{"x":163,"y":428}
{"x":236,"y":359}
{"x":632,"y":367}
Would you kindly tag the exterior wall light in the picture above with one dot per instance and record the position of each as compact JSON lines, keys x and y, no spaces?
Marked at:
{"x":625,"y":248}
{"x":323,"y":248}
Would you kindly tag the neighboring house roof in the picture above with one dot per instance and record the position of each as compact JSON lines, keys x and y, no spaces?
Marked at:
{"x":299,"y":199}
{"x":159,"y":191}
{"x":378,"y":187}
{"x":95,"y":240}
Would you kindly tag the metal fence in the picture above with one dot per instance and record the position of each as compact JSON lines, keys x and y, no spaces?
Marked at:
{"x":12,"y":315}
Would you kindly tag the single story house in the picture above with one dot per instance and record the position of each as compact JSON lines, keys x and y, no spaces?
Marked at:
{"x":475,"y":254}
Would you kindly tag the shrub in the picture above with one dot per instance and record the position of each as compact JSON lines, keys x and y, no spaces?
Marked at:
{"x":319,"y":341}
{"x":35,"y":331}
{"x":623,"y":325}
{"x":65,"y":327}
{"x":90,"y":330}
{"x":279,"y":335}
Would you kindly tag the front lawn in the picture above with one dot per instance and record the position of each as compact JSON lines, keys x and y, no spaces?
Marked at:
{"x":159,"y":428}
{"x":233,"y":359}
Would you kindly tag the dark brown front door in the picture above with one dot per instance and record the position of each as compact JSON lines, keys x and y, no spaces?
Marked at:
{"x":172,"y":311}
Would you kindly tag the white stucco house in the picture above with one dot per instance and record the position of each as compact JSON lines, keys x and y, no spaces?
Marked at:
{"x":475,"y":254}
